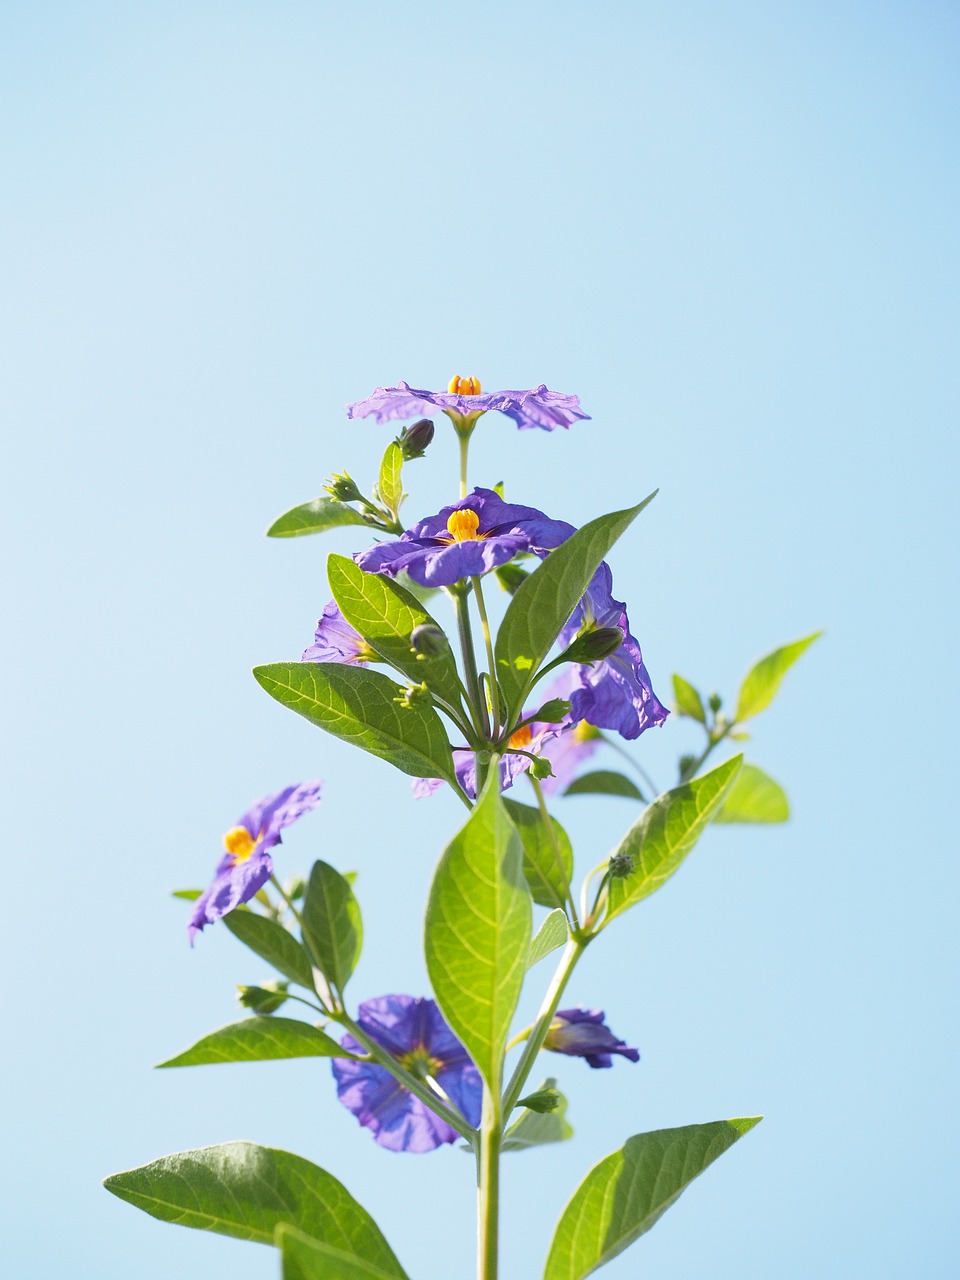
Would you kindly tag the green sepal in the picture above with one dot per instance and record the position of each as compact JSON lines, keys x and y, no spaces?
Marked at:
{"x":332,"y":928}
{"x":553,"y":933}
{"x":764,"y":677}
{"x":547,"y":869}
{"x":314,"y":517}
{"x":605,"y":782}
{"x":304,"y":1258}
{"x":755,"y":797}
{"x":688,"y":700}
{"x":188,"y":895}
{"x":273,"y":943}
{"x":258,"y":1039}
{"x":628,"y":1191}
{"x":536,"y":1128}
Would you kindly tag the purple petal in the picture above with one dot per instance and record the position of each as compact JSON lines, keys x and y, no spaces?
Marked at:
{"x":335,"y":640}
{"x":535,"y":407}
{"x":235,"y":882}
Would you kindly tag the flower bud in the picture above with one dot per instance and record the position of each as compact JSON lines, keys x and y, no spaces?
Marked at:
{"x":716,"y":702}
{"x":265,"y":999}
{"x":543,"y":1101}
{"x":554,"y":711}
{"x":428,"y":641}
{"x":593,"y":645}
{"x":620,"y":865}
{"x":414,"y":693}
{"x":413,"y":441}
{"x":342,"y":486}
{"x":541,"y":767}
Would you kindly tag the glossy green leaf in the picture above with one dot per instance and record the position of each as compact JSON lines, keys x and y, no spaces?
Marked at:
{"x":542,"y":604}
{"x":547,"y":861}
{"x":688,"y":700}
{"x":605,"y":782}
{"x":314,"y":517}
{"x":553,"y":933}
{"x":256,"y":1040}
{"x":332,"y":929}
{"x":534,"y":1129}
{"x":764,"y":678}
{"x":246,"y":1191}
{"x":361,"y":707}
{"x":273,"y":943}
{"x":385,"y":615}
{"x":478,"y":931}
{"x":666,"y":832}
{"x":389,"y":485}
{"x":628,"y":1191}
{"x":755,"y":797}
{"x":307,"y":1259}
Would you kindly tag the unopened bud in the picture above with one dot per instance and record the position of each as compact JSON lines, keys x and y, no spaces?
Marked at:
{"x":265,"y":999}
{"x":620,"y":865}
{"x":554,"y":711}
{"x":541,"y":767}
{"x":342,"y":486}
{"x":716,"y":702}
{"x":414,"y":693}
{"x":543,"y":1101}
{"x":413,"y":441}
{"x":428,"y":640}
{"x":593,"y":645}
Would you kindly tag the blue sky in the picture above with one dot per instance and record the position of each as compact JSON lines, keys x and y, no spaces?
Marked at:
{"x":732,"y":231}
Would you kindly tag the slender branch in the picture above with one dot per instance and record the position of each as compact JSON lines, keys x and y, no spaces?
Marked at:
{"x":491,"y":664}
{"x":477,"y":703}
{"x":464,"y":438}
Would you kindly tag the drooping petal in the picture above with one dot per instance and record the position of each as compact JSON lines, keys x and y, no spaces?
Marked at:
{"x":234,"y":883}
{"x":582,"y":1033}
{"x":534,"y":407}
{"x":267,"y":818}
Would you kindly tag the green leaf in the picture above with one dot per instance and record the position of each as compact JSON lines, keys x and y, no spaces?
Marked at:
{"x":385,"y":615}
{"x":273,"y":943}
{"x":314,"y":517}
{"x":547,"y":867}
{"x":755,"y":797}
{"x":307,"y":1259}
{"x":542,"y":604}
{"x":389,"y":485}
{"x":332,"y":930}
{"x":763,"y":679}
{"x":666,"y":832}
{"x":534,"y":1129}
{"x":689,"y":702}
{"x":605,"y":782}
{"x":553,"y":933}
{"x":246,"y":1191}
{"x":361,"y":707}
{"x":625,"y":1194}
{"x":478,"y":931}
{"x":256,"y":1040}
{"x":188,"y":895}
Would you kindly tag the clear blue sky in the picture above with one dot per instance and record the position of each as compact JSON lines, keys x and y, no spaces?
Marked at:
{"x":732,"y":229}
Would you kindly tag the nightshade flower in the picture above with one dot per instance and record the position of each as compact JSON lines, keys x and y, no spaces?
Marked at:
{"x":464,"y":402}
{"x":336,"y":641}
{"x":477,"y":534}
{"x":246,"y":865}
{"x":582,"y":1033}
{"x":615,"y":692}
{"x":412,"y":1031}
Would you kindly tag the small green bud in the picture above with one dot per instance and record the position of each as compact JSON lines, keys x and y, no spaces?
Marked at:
{"x":413,"y":694}
{"x":511,"y":576}
{"x":543,"y":1101}
{"x":428,"y":641}
{"x":620,"y":865}
{"x":342,"y":486}
{"x":715,"y":702}
{"x":413,"y":441}
{"x":592,"y":645}
{"x":541,"y":767}
{"x":265,"y":999}
{"x":553,"y":712}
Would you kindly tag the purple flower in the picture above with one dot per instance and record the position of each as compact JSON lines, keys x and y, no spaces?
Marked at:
{"x":246,"y":865}
{"x":614,"y":693}
{"x":414,"y":1032}
{"x":581,"y":1033}
{"x":336,"y":641}
{"x":463,"y":400}
{"x":477,"y":534}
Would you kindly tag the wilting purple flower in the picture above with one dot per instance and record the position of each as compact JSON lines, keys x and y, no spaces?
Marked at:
{"x":412,"y":1031}
{"x":336,"y":641}
{"x":477,"y":534}
{"x":246,"y":865}
{"x":581,"y":1033}
{"x":536,"y":407}
{"x":614,"y":693}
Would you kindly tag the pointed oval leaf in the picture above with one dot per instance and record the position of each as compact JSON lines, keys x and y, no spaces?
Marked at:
{"x":605,"y":782}
{"x":755,"y":797}
{"x":245,"y":1191}
{"x":625,"y":1194}
{"x":552,"y":934}
{"x":478,"y":931}
{"x":257,"y":1040}
{"x":547,"y":862}
{"x":332,"y":928}
{"x":273,"y":943}
{"x":307,"y":1259}
{"x":385,"y":615}
{"x":390,"y":486}
{"x":688,"y":700}
{"x":544,"y":602}
{"x":764,"y":678}
{"x":666,"y":832}
{"x":361,"y":707}
{"x":314,"y":517}
{"x":535,"y":1128}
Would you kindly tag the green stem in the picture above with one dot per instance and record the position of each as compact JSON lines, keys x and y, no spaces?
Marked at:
{"x":488,"y":1185}
{"x":289,"y":901}
{"x":714,"y":740}
{"x":464,"y":438}
{"x":477,"y":703}
{"x":641,"y":773}
{"x":488,"y":645}
{"x":572,"y":953}
{"x":551,"y":830}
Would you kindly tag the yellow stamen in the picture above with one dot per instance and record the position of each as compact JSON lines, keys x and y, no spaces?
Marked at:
{"x":458,"y":386}
{"x":239,"y":843}
{"x":522,"y":738}
{"x":463,"y":525}
{"x":584,"y":732}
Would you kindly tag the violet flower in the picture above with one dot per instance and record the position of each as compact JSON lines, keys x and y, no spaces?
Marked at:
{"x":582,"y":1033}
{"x":463,"y":400}
{"x":246,"y":865}
{"x":336,"y":641}
{"x":615,"y":692}
{"x":465,"y":540}
{"x":414,"y":1032}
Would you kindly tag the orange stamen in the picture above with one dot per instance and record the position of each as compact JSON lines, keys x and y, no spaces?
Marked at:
{"x":522,"y":738}
{"x":463,"y":525}
{"x":458,"y":386}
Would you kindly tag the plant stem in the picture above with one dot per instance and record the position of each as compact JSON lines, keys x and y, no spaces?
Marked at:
{"x":488,"y":1185}
{"x":279,"y":888}
{"x":713,"y":740}
{"x":464,"y":438}
{"x":478,"y":706}
{"x":642,"y":773}
{"x":491,"y":665}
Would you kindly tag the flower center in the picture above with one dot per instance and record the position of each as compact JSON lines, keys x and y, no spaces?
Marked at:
{"x":463,"y":525}
{"x":420,"y":1063}
{"x":239,"y":843}
{"x":584,"y":732}
{"x":458,"y":386}
{"x":522,"y":738}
